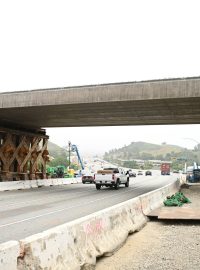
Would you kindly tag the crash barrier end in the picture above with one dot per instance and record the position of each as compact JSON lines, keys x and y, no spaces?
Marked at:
{"x":9,"y":253}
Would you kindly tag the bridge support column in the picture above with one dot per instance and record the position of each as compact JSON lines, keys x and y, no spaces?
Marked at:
{"x":23,"y":155}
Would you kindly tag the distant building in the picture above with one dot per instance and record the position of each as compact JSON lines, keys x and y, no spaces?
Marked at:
{"x":154,"y":162}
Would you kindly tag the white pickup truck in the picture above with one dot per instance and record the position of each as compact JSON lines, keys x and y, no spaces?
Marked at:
{"x":111,"y":177}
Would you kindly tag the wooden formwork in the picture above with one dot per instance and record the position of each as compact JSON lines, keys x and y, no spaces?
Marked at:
{"x":23,"y":155}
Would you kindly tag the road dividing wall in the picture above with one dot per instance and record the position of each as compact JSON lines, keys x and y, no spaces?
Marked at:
{"x":9,"y":253}
{"x":76,"y":245}
{"x":183,"y":179}
{"x":26,"y":184}
{"x":14,"y":185}
{"x":154,"y":199}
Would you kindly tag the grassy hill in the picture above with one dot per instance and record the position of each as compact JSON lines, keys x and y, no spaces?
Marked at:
{"x":60,"y":156}
{"x":56,"y":151}
{"x":148,"y":151}
{"x":160,"y":149}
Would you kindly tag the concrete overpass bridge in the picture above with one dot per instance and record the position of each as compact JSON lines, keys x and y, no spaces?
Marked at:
{"x":172,"y":101}
{"x":24,"y":114}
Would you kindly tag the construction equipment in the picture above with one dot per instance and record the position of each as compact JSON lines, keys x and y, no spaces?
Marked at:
{"x":60,"y":170}
{"x":56,"y":172}
{"x":193,"y":173}
{"x":51,"y":172}
{"x":69,"y":174}
{"x":63,"y":172}
{"x":75,"y":149}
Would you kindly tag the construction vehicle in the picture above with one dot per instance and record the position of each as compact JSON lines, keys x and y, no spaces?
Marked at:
{"x":75,"y":149}
{"x":56,"y":172}
{"x":69,"y":173}
{"x":193,"y":173}
{"x":61,"y":171}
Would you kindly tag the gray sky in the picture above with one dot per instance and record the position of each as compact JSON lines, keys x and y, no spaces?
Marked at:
{"x":97,"y":140}
{"x":65,"y":43}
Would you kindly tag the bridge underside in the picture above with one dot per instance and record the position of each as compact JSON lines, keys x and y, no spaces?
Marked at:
{"x":23,"y":155}
{"x":24,"y":152}
{"x":142,"y":112}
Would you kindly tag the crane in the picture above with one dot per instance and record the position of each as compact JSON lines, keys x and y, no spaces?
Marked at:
{"x":75,"y":149}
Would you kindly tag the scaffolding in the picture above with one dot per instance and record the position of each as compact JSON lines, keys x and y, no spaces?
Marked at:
{"x":23,"y":155}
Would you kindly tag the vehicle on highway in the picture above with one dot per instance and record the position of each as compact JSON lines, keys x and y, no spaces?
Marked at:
{"x":140,"y":173}
{"x":132,"y":174}
{"x":165,"y":169}
{"x":175,"y":171}
{"x":111,"y":177}
{"x":148,"y":173}
{"x":88,"y":178}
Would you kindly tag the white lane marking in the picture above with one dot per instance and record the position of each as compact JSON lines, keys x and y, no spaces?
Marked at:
{"x":136,"y":184}
{"x":47,"y":197}
{"x":63,"y":209}
{"x":60,"y":210}
{"x":44,"y":199}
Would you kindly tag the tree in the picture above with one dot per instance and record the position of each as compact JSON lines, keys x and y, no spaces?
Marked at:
{"x":130,"y":164}
{"x":148,"y":165}
{"x":146,"y":156}
{"x":59,"y":161}
{"x":159,"y":157}
{"x":197,"y":147}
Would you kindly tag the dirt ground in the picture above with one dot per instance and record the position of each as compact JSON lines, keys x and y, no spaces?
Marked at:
{"x":160,"y":245}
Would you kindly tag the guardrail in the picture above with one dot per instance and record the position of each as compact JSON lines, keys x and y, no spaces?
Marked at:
{"x":77,"y":244}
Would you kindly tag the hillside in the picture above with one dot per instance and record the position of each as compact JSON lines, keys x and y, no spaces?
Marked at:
{"x":56,"y":151}
{"x":148,"y":151}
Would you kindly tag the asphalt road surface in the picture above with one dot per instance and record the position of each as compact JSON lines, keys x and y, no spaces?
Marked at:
{"x":26,"y":212}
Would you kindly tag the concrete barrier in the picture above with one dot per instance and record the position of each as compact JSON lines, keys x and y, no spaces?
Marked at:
{"x":76,"y":245}
{"x":40,"y":183}
{"x":26,"y":184}
{"x":33,"y":183}
{"x":66,"y":181}
{"x":60,"y":181}
{"x":79,"y":243}
{"x":9,"y":253}
{"x":14,"y":185}
{"x":78,"y":180}
{"x":44,"y":182}
{"x":154,"y":199}
{"x":183,"y":179}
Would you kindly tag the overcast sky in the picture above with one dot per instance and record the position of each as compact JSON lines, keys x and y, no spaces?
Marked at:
{"x":97,"y":140}
{"x":45,"y":43}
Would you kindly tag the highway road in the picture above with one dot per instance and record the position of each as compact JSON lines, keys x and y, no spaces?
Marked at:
{"x":26,"y":212}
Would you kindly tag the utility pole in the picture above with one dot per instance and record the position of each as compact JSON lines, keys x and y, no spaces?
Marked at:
{"x":197,"y":142}
{"x":69,"y":146}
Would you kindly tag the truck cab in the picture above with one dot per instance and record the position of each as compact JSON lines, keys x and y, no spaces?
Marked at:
{"x":111,"y":177}
{"x":165,"y":169}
